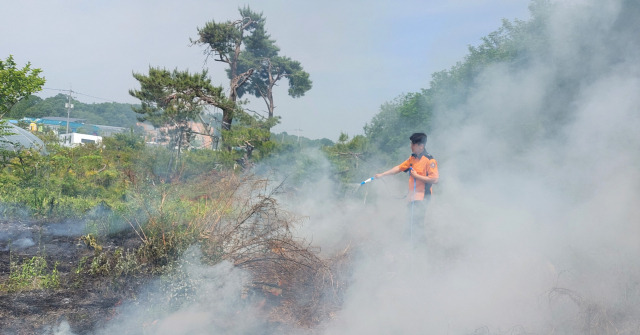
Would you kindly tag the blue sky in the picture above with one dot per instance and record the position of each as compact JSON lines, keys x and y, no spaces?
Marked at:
{"x":359,"y":53}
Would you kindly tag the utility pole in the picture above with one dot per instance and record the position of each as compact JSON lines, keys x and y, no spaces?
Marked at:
{"x":68,"y":106}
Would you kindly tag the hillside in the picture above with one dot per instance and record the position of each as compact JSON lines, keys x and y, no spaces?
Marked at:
{"x":107,"y":113}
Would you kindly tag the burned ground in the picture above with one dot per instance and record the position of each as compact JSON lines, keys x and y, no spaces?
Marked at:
{"x":83,"y":301}
{"x":291,"y":285}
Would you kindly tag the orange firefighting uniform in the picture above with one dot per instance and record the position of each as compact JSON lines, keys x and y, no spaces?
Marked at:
{"x":425,"y":165}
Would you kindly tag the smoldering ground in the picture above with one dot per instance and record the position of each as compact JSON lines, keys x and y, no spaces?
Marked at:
{"x":193,"y":299}
{"x":534,"y":225}
{"x":204,"y":299}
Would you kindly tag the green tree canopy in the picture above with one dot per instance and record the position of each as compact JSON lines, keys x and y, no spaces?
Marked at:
{"x":172,"y":99}
{"x":254,"y":64}
{"x":224,"y":43}
{"x":105,"y":113}
{"x":346,"y":156}
{"x":262,"y":54}
{"x":16,"y":83}
{"x":391,"y":127}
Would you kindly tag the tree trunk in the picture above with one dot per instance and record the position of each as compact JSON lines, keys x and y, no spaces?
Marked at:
{"x":234,"y":83}
{"x":271,"y":106}
{"x":227,"y":117}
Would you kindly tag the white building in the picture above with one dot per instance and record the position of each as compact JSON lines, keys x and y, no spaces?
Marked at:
{"x":73,"y":139}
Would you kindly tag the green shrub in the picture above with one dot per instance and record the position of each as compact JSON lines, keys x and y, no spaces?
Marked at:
{"x":32,"y":274}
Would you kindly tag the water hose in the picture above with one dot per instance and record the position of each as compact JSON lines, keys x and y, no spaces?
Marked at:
{"x":413,"y":200}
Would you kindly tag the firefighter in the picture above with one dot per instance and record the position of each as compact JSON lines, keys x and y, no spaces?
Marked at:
{"x":423,"y":171}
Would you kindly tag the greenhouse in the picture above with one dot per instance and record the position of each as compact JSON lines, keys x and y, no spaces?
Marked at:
{"x":20,"y":139}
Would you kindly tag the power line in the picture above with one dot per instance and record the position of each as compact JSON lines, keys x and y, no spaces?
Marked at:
{"x":76,"y":92}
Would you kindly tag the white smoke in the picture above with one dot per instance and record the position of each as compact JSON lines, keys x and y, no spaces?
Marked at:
{"x":526,"y":231}
{"x":195,"y":299}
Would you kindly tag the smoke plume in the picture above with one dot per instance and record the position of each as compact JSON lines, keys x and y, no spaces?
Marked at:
{"x":533,"y":227}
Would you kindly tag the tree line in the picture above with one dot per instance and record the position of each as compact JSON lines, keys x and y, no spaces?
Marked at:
{"x":515,"y":45}
{"x":107,"y":113}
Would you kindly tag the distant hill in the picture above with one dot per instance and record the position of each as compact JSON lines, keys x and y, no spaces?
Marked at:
{"x":286,"y":138}
{"x":107,"y":113}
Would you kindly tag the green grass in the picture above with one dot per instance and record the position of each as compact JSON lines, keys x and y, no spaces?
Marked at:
{"x":32,"y":274}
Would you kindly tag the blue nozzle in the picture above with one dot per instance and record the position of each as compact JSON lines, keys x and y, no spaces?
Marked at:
{"x":366,"y":181}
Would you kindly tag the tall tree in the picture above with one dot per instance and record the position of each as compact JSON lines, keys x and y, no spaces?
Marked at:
{"x":271,"y":70}
{"x":224,"y":43}
{"x":174,"y":98}
{"x":16,"y":84}
{"x":254,"y":64}
{"x":262,"y":54}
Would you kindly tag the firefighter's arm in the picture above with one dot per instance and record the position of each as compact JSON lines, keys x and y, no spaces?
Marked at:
{"x":391,"y":171}
{"x":424,"y":179}
{"x":430,"y":178}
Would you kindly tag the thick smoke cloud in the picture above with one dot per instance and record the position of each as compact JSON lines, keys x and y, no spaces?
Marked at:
{"x":196,"y":299}
{"x":534,"y":226}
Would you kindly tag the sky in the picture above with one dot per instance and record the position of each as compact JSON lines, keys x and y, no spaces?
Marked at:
{"x":359,"y":54}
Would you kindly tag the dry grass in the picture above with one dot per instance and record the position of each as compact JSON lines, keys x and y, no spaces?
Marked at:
{"x":245,"y":225}
{"x":596,"y":318}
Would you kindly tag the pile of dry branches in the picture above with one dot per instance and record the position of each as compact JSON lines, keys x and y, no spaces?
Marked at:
{"x":245,"y":225}
{"x":598,"y":318}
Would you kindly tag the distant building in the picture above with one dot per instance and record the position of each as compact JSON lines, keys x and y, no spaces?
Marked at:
{"x":75,"y":139}
{"x":56,"y":123}
{"x":158,"y":136}
{"x":59,"y":125}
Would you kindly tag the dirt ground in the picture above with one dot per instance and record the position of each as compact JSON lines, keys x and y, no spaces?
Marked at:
{"x":84,"y":303}
{"x":87,"y":303}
